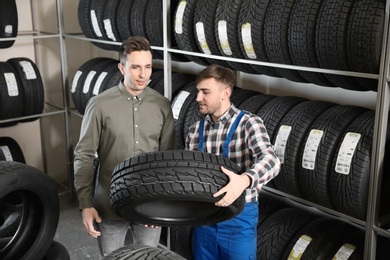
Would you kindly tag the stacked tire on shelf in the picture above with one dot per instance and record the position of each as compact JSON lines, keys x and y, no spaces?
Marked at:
{"x":21,"y":91}
{"x":8,"y":22}
{"x":325,"y":34}
{"x":29,"y":213}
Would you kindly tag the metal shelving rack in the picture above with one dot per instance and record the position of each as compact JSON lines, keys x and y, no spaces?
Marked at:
{"x":51,"y":109}
{"x":372,"y":225}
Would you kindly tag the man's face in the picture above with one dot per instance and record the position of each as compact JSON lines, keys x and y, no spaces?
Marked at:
{"x":211,"y":95}
{"x":137,"y":71}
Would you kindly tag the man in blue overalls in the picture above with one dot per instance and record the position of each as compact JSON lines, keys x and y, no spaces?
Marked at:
{"x":243,"y":138}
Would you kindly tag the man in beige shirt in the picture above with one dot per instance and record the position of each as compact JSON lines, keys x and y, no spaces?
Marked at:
{"x":123,"y":121}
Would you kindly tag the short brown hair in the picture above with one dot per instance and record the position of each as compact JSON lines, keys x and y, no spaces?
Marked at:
{"x":136,"y":43}
{"x":220,"y":74}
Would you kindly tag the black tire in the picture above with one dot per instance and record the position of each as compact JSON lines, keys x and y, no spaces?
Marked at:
{"x":56,"y":251}
{"x":301,"y":39}
{"x":31,"y":86}
{"x":123,"y":19}
{"x":314,"y":240}
{"x":352,"y":247}
{"x":254,"y":103}
{"x":153,"y":21}
{"x":226,"y":20}
{"x":294,"y":127}
{"x":314,"y":174}
{"x":184,"y":30}
{"x":11,"y":150}
{"x":142,"y":253}
{"x":181,"y":238}
{"x":364,"y":39}
{"x":276,"y":37}
{"x":204,"y":30}
{"x":8,"y":22}
{"x":273,"y":112}
{"x":277,"y":231}
{"x":110,"y":22}
{"x":331,"y":42}
{"x":11,"y":95}
{"x":349,"y":180}
{"x":180,"y":105}
{"x":172,"y":188}
{"x":35,"y":193}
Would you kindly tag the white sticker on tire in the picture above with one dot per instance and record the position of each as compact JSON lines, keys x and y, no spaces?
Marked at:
{"x":87,"y":82}
{"x":95,"y":24}
{"x":12,"y":84}
{"x":98,"y":83}
{"x":28,"y":70}
{"x":281,"y":140}
{"x":299,"y":247}
{"x":311,"y":148}
{"x":179,"y":17}
{"x":201,"y":36}
{"x":75,"y":81}
{"x":178,"y":103}
{"x":246,"y":33}
{"x":223,"y":37}
{"x":344,"y":252}
{"x":346,"y":152}
{"x":7,"y":153}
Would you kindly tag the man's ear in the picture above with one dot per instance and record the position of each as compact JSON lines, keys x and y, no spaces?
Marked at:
{"x":121,"y":68}
{"x":227,"y":93}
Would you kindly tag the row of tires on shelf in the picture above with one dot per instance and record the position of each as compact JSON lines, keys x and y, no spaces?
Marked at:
{"x":21,"y":90}
{"x":8,"y":22}
{"x":288,"y":232}
{"x":327,"y":34}
{"x":325,"y":148}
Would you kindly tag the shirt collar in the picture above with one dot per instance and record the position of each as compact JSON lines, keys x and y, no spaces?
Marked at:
{"x":225,"y":117}
{"x":128,"y":95}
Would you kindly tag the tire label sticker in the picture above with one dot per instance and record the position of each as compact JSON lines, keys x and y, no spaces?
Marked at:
{"x":178,"y":103}
{"x":75,"y":81}
{"x":179,"y":17}
{"x":311,"y":148}
{"x":28,"y":70}
{"x":95,"y":24}
{"x":87,"y":82}
{"x":12,"y":84}
{"x":8,"y":29}
{"x":98,"y":83}
{"x":200,"y":35}
{"x":281,"y":140}
{"x":246,"y":33}
{"x":299,"y":247}
{"x":108,"y":28}
{"x":344,"y":252}
{"x":346,"y":152}
{"x":6,"y":152}
{"x":223,"y":37}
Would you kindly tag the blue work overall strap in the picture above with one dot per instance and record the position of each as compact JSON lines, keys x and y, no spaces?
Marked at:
{"x":225,"y":147}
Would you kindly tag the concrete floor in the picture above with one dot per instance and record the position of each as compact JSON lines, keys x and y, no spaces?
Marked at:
{"x":70,"y":232}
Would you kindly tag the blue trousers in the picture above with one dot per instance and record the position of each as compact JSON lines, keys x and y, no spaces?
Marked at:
{"x":233,"y":239}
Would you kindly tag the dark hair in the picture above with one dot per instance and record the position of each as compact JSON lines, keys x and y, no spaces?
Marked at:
{"x":220,"y":74}
{"x":136,"y":43}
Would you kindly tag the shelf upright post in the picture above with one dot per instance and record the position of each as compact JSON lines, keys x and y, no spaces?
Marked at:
{"x":65,"y":89}
{"x":379,"y":141}
{"x":166,"y":46}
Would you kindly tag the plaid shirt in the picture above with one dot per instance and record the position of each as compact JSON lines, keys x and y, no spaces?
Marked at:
{"x":249,"y":148}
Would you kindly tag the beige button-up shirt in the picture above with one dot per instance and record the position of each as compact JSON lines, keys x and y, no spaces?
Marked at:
{"x":117,"y":125}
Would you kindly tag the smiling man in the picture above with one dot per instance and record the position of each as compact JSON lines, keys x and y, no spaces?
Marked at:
{"x":243,"y":138}
{"x":123,"y":121}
